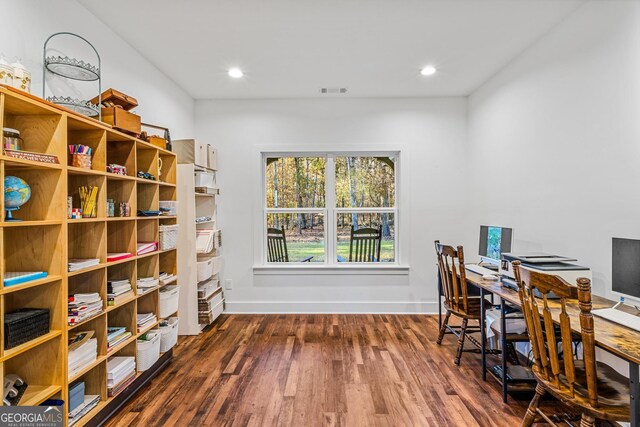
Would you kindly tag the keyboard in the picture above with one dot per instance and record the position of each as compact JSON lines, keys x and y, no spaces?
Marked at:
{"x":620,"y":317}
{"x":478,"y":269}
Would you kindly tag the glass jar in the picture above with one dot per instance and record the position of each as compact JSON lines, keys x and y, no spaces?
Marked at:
{"x":11,"y":139}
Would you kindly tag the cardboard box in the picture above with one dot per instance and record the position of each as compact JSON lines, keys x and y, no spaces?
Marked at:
{"x":190,"y":151}
{"x":122,"y":120}
{"x":212,"y":158}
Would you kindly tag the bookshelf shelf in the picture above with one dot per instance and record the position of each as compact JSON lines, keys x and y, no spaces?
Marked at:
{"x":45,"y":240}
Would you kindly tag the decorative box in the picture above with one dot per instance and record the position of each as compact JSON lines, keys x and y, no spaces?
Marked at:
{"x":122,"y":120}
{"x":25,"y":325}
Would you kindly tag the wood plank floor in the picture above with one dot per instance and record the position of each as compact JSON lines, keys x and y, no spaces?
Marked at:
{"x":319,"y":370}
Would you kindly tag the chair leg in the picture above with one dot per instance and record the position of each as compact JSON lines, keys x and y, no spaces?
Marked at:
{"x":443,"y":328}
{"x":587,"y":421}
{"x":532,"y":410}
{"x":463,"y":332}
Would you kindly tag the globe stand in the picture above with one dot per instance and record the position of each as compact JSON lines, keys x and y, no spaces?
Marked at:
{"x":10,"y":217}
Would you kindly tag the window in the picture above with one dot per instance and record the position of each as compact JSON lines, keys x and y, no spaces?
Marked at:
{"x":330,"y":208}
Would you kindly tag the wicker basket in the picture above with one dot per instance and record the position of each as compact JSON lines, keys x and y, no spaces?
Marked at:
{"x":168,"y":237}
{"x":24,"y":325}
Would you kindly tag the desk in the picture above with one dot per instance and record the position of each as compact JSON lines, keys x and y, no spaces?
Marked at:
{"x":611,"y":337}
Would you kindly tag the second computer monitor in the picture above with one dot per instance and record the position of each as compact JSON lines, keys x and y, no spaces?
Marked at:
{"x":494,"y":241}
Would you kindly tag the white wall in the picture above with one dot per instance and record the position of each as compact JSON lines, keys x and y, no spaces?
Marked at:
{"x":27,"y":23}
{"x":431,"y":134}
{"x":555,"y":139}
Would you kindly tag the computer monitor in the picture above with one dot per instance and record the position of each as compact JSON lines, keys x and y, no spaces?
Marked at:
{"x":625,"y":263}
{"x":494,"y":241}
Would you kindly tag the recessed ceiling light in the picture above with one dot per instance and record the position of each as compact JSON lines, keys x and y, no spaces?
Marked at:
{"x":429,"y":70}
{"x":236,"y":73}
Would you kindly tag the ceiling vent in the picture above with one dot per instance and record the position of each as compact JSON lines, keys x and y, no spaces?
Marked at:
{"x":333,"y":90}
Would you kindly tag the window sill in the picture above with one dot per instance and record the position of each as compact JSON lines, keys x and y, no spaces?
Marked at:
{"x":389,"y":270}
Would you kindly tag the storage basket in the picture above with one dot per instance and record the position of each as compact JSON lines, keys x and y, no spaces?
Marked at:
{"x":168,"y":237}
{"x":24,"y":325}
{"x":204,"y":269}
{"x":206,"y":289}
{"x":171,"y":207}
{"x":148,"y":351}
{"x":204,"y":179}
{"x":169,"y":334}
{"x":169,"y":296}
{"x":217,"y":265}
{"x":81,"y":161}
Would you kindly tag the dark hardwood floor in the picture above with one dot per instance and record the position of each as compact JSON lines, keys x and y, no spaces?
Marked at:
{"x":320,"y":370}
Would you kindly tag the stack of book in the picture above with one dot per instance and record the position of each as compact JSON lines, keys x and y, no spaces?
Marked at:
{"x":118,"y":290}
{"x":83,"y":306}
{"x":144,"y":320}
{"x":166,"y":278}
{"x":116,"y":335}
{"x":90,"y":401}
{"x":83,"y":350}
{"x":145,"y":284}
{"x":146,"y":247}
{"x":80,"y":264}
{"x":121,"y":371}
{"x":117,"y":256}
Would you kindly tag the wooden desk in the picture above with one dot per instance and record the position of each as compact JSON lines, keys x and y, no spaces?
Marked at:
{"x":615,"y":339}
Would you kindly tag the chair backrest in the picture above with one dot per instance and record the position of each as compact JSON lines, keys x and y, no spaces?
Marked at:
{"x":554,"y":364}
{"x":454,"y":288}
{"x":276,"y":246}
{"x":364,"y":245}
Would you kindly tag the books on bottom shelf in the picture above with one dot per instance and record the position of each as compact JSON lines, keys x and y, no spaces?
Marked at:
{"x":116,"y":335}
{"x":145,"y":284}
{"x":83,"y":350}
{"x":166,"y":278}
{"x":76,"y":264}
{"x":118,"y":290}
{"x":121,"y":371}
{"x":90,"y":402}
{"x":83,"y":306}
{"x":143,"y":320}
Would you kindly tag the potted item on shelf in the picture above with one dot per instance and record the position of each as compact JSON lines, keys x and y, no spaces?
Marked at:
{"x":80,"y":156}
{"x":16,"y":193}
{"x":116,"y":108}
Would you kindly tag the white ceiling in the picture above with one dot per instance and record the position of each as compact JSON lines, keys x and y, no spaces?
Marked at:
{"x":291,"y":48}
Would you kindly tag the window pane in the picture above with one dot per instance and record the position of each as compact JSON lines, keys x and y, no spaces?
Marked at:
{"x":365,"y":182}
{"x":295,"y":182}
{"x":366,"y":251}
{"x":303,"y":237}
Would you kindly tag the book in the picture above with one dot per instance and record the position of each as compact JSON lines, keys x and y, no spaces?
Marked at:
{"x":90,"y":402}
{"x":146,"y":247}
{"x":143,"y":320}
{"x":12,"y":278}
{"x":118,"y":256}
{"x":204,"y":241}
{"x":76,"y":264}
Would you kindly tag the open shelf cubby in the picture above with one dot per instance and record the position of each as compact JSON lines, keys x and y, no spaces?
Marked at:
{"x":46,"y":239}
{"x":168,"y":262}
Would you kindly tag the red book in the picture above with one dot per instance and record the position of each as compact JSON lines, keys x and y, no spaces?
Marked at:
{"x":118,"y":256}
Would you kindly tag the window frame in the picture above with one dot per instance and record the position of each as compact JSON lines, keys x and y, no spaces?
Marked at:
{"x":330,"y":210}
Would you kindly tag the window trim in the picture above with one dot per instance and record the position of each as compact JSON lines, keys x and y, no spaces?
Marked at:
{"x":330,"y":263}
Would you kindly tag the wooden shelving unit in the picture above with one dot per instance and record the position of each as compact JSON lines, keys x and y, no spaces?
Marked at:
{"x":194,"y":205}
{"x":45,"y":240}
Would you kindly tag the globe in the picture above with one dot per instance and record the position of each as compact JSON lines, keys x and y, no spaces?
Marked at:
{"x":16,"y":193}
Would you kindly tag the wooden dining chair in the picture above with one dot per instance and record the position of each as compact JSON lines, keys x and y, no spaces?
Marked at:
{"x":364,"y":245}
{"x":277,"y":246}
{"x":456,"y":299}
{"x":594,"y":388}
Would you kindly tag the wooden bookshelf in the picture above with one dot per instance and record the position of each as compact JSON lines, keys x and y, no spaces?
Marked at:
{"x":46,"y":239}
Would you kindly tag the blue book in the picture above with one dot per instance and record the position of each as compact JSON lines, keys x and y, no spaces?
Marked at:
{"x":12,"y":278}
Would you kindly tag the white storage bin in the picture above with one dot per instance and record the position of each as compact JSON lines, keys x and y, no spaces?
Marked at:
{"x":205,"y":179}
{"x":212,"y":157}
{"x":148,"y":351}
{"x":514,"y":322}
{"x":204,"y":269}
{"x":206,"y":289}
{"x":171,"y":205}
{"x":217,"y":265}
{"x":169,"y":335}
{"x":168,"y":237}
{"x":169,"y":296}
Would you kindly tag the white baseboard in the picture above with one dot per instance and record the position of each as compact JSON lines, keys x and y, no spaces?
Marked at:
{"x":333,"y":307}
